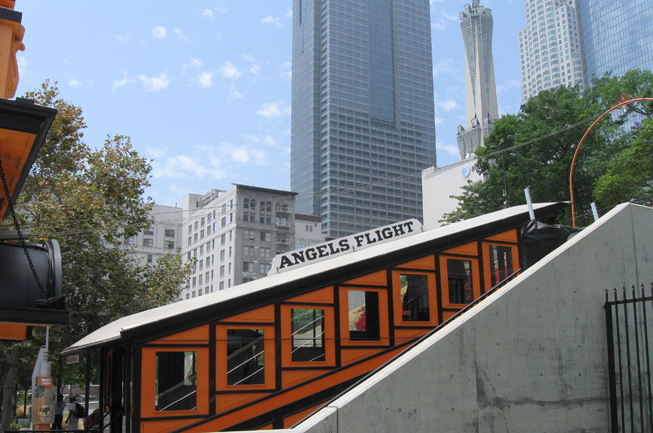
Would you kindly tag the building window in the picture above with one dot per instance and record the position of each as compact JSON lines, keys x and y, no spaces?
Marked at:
{"x":245,"y":357}
{"x":264,"y":268}
{"x":195,"y":237}
{"x":148,"y":242}
{"x":414,"y":298}
{"x":229,"y":252}
{"x":265,"y":252}
{"x":224,"y":221}
{"x":222,"y":271}
{"x":202,"y":234}
{"x":248,"y":267}
{"x":175,"y":381}
{"x":200,"y":278}
{"x":307,"y":335}
{"x":363,"y":315}
{"x":202,"y":222}
{"x":248,"y":251}
{"x":266,"y":237}
{"x":459,"y":274}
{"x":222,"y":255}
{"x":150,"y":259}
{"x":249,"y":235}
{"x":130,"y":240}
{"x":222,"y":239}
{"x":190,"y":229}
{"x":201,"y":250}
{"x":196,"y":225}
{"x":149,"y":231}
{"x":170,"y":233}
{"x":221,"y":285}
{"x":190,"y":241}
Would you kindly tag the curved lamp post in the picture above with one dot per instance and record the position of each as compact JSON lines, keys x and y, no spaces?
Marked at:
{"x":621,"y":102}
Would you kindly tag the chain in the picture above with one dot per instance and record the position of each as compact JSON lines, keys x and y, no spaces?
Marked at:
{"x":44,"y":293}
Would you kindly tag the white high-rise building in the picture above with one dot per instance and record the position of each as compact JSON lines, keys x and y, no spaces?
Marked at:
{"x":549,"y":47}
{"x":476,"y":25}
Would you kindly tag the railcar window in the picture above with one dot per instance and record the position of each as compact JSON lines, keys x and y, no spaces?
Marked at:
{"x":364,"y":315}
{"x":176,"y":381}
{"x":500,"y":263}
{"x":459,"y":273}
{"x":307,"y":335}
{"x":245,"y":357}
{"x":415,"y":298}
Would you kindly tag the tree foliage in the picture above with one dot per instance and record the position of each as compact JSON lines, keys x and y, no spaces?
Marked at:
{"x":90,"y":199}
{"x":537,"y":147}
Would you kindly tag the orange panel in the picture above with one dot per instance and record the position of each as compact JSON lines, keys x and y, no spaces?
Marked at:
{"x":263,"y":314}
{"x":347,"y":356}
{"x":195,"y":335}
{"x":294,"y":419}
{"x":470,"y":249}
{"x":268,"y":427}
{"x":427,"y":262}
{"x":321,"y":296}
{"x":267,"y":405}
{"x":329,"y":338}
{"x":384,"y":339}
{"x":446,"y":315}
{"x":402,"y":335}
{"x":165,"y":426}
{"x":12,"y":331}
{"x":293,"y":377}
{"x":509,"y":236}
{"x":373,"y":279}
{"x":228,"y":401}
{"x":397,"y":298}
{"x":148,"y":378}
{"x":221,"y":364}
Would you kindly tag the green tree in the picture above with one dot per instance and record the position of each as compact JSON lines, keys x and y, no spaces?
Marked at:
{"x":90,"y":200}
{"x":629,"y":175}
{"x":537,"y":147}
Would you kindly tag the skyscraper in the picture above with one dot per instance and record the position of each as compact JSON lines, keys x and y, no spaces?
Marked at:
{"x":363,"y":122}
{"x":482,"y":109}
{"x":617,"y":36}
{"x":549,"y":47}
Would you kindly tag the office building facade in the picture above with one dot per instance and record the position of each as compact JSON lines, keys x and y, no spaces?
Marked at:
{"x":617,"y":36}
{"x":549,"y":47}
{"x":363,"y":123}
{"x":160,"y":238}
{"x":233,"y":235}
{"x":476,"y":24}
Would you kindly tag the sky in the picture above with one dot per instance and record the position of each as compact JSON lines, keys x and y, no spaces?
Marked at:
{"x":202,"y":87}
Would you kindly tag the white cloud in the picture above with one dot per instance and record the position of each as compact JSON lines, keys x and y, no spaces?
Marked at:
{"x":124,"y":82}
{"x":446,"y":66}
{"x":275,"y":21}
{"x":509,"y":85}
{"x":288,"y":14}
{"x":182,"y":166}
{"x":154,"y":84}
{"x":438,"y":120}
{"x":264,"y":140}
{"x":255,"y":69}
{"x":122,"y":38}
{"x":205,"y":80}
{"x":451,"y":149}
{"x":159,"y":32}
{"x":72,"y":81}
{"x":450,"y":17}
{"x":65,"y":62}
{"x":22,"y":65}
{"x":243,"y":154}
{"x":180,"y":35}
{"x":233,"y":93}
{"x":271,"y":110}
{"x":286,"y":73}
{"x":207,"y":13}
{"x":248,"y":57}
{"x":230,"y":71}
{"x":447,"y":105}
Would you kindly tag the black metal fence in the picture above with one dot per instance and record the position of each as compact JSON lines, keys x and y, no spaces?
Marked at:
{"x":628,"y":321}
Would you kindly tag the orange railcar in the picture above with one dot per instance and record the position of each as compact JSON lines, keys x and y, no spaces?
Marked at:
{"x":268,"y":353}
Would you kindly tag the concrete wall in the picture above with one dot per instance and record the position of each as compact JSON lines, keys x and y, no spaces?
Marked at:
{"x":531,"y":358}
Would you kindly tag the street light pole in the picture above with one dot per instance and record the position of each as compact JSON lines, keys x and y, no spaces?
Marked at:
{"x":506,"y":205}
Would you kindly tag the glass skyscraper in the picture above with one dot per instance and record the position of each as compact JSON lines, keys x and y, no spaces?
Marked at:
{"x":363,"y":122}
{"x":617,"y":36}
{"x":549,"y":47}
